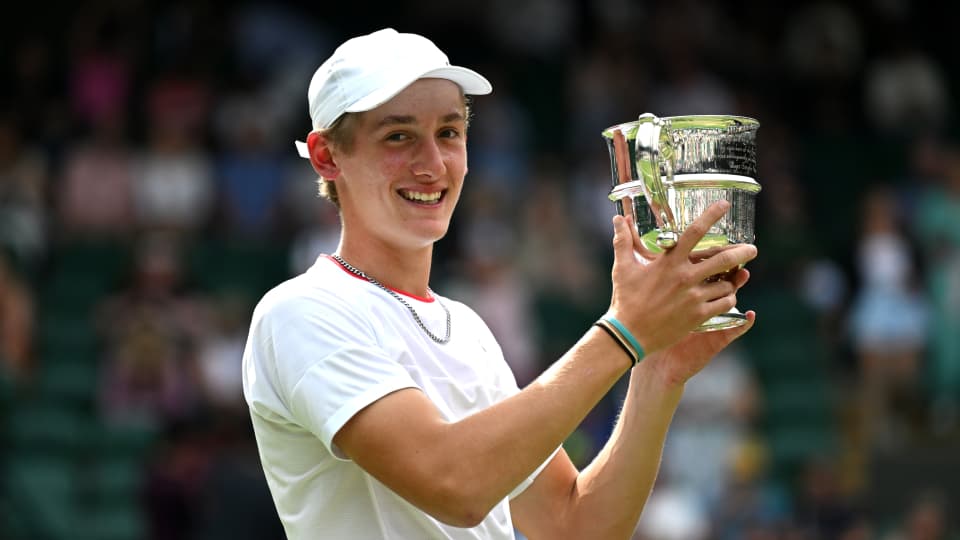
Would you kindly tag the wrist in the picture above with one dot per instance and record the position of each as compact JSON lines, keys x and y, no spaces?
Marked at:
{"x":624,"y":338}
{"x":651,"y":378}
{"x":634,"y":339}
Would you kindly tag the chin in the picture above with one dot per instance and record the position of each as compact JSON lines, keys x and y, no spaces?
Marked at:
{"x":428,"y":228}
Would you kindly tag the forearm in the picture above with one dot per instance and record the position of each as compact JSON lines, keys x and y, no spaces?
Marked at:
{"x":505,"y":443}
{"x":608,"y":496}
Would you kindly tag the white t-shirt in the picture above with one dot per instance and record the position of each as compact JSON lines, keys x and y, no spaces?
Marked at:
{"x":323,"y":346}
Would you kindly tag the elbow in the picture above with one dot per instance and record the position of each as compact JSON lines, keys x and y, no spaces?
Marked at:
{"x":460,"y":505}
{"x":463,"y":518}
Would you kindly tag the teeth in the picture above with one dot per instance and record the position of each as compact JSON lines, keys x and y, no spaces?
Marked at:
{"x":422,"y":197}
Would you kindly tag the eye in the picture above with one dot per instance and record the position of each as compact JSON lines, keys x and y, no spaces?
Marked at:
{"x":397,"y":136}
{"x":449,"y":133}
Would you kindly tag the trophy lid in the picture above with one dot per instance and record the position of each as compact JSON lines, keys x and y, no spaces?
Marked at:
{"x":701,"y":121}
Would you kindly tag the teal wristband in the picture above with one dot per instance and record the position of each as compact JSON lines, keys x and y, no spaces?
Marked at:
{"x":605,"y":326}
{"x":627,"y":335}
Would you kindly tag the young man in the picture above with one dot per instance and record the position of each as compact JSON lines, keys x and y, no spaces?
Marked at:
{"x":384,"y":410}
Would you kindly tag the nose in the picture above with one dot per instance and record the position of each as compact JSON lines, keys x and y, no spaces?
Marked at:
{"x":429,"y":162}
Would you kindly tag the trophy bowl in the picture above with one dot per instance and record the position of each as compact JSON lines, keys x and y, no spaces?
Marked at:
{"x":667,"y":171}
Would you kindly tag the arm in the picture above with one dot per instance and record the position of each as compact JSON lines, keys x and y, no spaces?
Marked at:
{"x":458,"y":471}
{"x":605,"y":500}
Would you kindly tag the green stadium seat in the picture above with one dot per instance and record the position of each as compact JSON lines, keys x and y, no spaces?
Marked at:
{"x":115,"y":478}
{"x":120,"y":441}
{"x":46,"y":428}
{"x":799,"y":401}
{"x":119,"y":520}
{"x":69,"y":383}
{"x":45,"y":491}
{"x":249,"y":268}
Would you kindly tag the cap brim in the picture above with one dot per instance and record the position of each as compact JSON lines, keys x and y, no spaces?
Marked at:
{"x":302,"y":149}
{"x":471,"y":82}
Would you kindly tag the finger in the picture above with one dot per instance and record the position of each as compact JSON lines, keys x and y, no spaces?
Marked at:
{"x":635,"y":233}
{"x":716,"y":289}
{"x":702,"y":254}
{"x":721,"y":305}
{"x":733,"y":333}
{"x":638,"y":244}
{"x":740,"y":278}
{"x":744,"y":328}
{"x":734,"y":257}
{"x":622,"y":240}
{"x":698,"y":229}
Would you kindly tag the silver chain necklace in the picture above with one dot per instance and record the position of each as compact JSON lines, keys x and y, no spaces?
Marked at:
{"x":359,"y":273}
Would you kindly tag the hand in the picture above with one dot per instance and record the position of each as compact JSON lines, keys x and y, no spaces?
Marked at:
{"x":684,"y":359}
{"x":662,"y":300}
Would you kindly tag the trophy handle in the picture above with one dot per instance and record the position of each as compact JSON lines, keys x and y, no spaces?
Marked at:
{"x":652,"y":142}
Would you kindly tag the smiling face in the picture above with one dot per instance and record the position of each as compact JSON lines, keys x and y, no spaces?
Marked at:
{"x":400,"y":181}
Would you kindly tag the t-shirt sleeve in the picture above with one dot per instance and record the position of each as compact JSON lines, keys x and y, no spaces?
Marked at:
{"x":529,"y":480}
{"x":332,"y":366}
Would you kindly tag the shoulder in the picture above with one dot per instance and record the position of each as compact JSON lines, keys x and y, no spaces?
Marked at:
{"x":324,"y":300}
{"x":322,"y":286}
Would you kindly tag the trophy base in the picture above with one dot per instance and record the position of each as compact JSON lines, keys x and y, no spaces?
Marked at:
{"x":730,"y":319}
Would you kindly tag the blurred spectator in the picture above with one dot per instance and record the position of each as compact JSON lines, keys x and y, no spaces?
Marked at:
{"x":715,"y":417}
{"x":23,"y":193}
{"x":687,"y":85}
{"x":151,"y":331}
{"x":316,"y":223}
{"x":905,"y":90}
{"x":926,"y":519}
{"x":888,"y":320}
{"x":610,"y":86}
{"x":95,"y":196}
{"x":176,"y":475}
{"x":750,"y":504}
{"x":278,"y":46}
{"x":220,"y":351}
{"x":499,"y":159}
{"x":823,"y":49}
{"x":824,"y":509}
{"x":938,"y":228}
{"x":673,"y":513}
{"x":784,"y":229}
{"x":591,"y":183}
{"x":248,"y":170}
{"x":493,"y":285}
{"x":234,"y":502}
{"x":539,"y":28}
{"x":101,"y":73}
{"x":35,"y":85}
{"x":560,"y":266}
{"x":16,"y":322}
{"x":823,"y":41}
{"x":174,"y":188}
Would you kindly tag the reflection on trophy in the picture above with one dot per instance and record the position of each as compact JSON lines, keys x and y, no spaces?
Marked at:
{"x":667,"y":171}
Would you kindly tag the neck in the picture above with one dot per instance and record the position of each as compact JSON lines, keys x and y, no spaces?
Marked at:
{"x":403,"y":270}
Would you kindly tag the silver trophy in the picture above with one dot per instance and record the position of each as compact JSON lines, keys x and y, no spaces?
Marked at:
{"x":667,"y":171}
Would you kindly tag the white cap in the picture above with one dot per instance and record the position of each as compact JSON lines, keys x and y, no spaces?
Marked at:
{"x":367,"y":71}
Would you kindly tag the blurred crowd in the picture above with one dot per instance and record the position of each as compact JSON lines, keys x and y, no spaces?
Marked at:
{"x":150,"y":193}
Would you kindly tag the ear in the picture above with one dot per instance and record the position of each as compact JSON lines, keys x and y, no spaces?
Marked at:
{"x":321,"y":157}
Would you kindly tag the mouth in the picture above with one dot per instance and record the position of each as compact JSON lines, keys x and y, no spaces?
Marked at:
{"x":431,"y":198}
